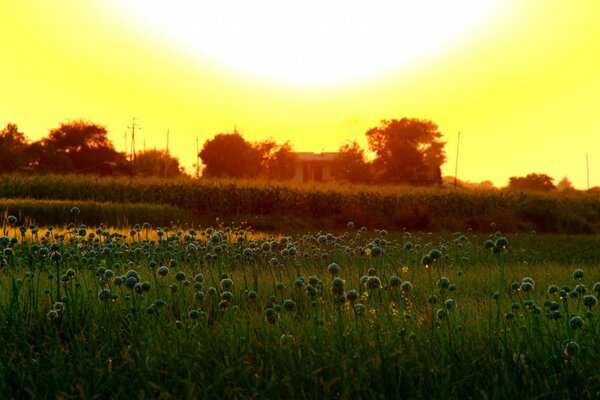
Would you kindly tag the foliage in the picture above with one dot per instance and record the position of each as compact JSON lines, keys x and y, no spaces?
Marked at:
{"x":278,"y":161}
{"x":77,"y":146}
{"x":155,"y":163}
{"x":13,"y":149}
{"x":407,"y":151}
{"x":220,"y":312}
{"x":535,"y":182}
{"x":326,"y":206}
{"x":229,"y":155}
{"x":351,"y":164}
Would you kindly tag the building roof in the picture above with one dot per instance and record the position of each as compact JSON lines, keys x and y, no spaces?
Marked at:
{"x":308,"y":156}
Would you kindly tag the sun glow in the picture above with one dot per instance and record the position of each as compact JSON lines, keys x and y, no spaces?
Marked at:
{"x":312,"y":42}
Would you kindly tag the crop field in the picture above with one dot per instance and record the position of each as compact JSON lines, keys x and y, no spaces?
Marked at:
{"x":181,"y":311}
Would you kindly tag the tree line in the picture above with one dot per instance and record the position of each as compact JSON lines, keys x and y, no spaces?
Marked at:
{"x":79,"y":147}
{"x":403,"y":151}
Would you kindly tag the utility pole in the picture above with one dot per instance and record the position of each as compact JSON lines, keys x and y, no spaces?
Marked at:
{"x":587,"y":163}
{"x":456,"y":166}
{"x":132,"y":127}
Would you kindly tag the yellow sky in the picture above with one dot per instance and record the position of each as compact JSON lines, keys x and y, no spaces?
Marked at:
{"x":519,"y":79}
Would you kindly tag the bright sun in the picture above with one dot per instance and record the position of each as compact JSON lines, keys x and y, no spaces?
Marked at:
{"x":313,"y":42}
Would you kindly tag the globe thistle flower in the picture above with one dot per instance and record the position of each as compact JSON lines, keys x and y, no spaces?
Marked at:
{"x":596,"y":288}
{"x":526,"y":287}
{"x":180,"y":276}
{"x":163,"y":270}
{"x":509,"y":316}
{"x":581,"y":288}
{"x":199,"y":278}
{"x":496,"y":296}
{"x":590,"y":301}
{"x":449,"y":303}
{"x":226,"y":283}
{"x":333,"y":269}
{"x":444,"y":282}
{"x":363,"y":280}
{"x":578,"y":274}
{"x":194,"y":314}
{"x":226,"y":295}
{"x":52,"y":315}
{"x":488,"y":244}
{"x":371,"y":271}
{"x":432,"y":299}
{"x":501,"y":242}
{"x":280,"y":286}
{"x":441,"y":313}
{"x":312,"y":291}
{"x":408,"y":246}
{"x":350,"y":225}
{"x":274,"y":262}
{"x":556,"y":315}
{"x":373,"y":282}
{"x":576,"y":322}
{"x":426,"y":261}
{"x":406,"y":286}
{"x":151,"y":309}
{"x":553,"y":289}
{"x":376,"y":251}
{"x":289,"y":305}
{"x":270,"y":315}
{"x":435,"y":255}
{"x":146,"y":286}
{"x":174,"y":287}
{"x":394,"y":281}
{"x":252,"y":295}
{"x":359,"y":309}
{"x":352,"y":295}
{"x":571,"y":349}
{"x":104,"y":294}
{"x":515,"y":306}
{"x":130,"y":282}
{"x":515,"y":286}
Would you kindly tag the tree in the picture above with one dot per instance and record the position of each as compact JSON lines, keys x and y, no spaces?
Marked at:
{"x":78,"y":147}
{"x":230,"y":155}
{"x":565,"y":185}
{"x":278,"y":161}
{"x":351,"y":164}
{"x":154,"y":162}
{"x":13,"y":149}
{"x":407,"y":151}
{"x":534,"y":182}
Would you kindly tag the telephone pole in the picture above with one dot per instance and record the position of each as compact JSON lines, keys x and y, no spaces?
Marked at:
{"x":456,"y":166}
{"x":132,"y":127}
{"x":197,"y":158}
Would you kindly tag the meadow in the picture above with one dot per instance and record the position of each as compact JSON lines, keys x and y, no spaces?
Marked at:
{"x":183,"y":311}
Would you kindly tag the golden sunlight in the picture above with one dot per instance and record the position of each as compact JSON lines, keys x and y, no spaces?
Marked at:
{"x":313,"y":42}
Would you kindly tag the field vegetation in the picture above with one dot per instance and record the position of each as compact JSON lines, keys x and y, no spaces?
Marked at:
{"x":182,"y":311}
{"x":284,"y":207}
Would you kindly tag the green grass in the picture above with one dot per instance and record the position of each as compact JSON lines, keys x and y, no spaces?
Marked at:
{"x":92,"y":313}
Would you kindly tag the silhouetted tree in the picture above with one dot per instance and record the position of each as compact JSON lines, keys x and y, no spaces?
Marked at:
{"x":230,"y":155}
{"x":77,"y":147}
{"x":351,"y":165}
{"x":13,"y":149}
{"x":407,"y":151}
{"x":278,"y":160}
{"x":154,"y":162}
{"x":535,"y":182}
{"x":565,"y":185}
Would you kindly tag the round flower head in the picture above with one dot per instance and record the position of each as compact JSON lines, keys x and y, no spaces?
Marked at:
{"x":590,"y":300}
{"x":426,"y":261}
{"x":488,"y":244}
{"x":444,"y":282}
{"x":556,"y":315}
{"x":441,"y":313}
{"x":289,"y":305}
{"x":194,"y":314}
{"x":406,"y":286}
{"x":252,"y":295}
{"x":526,"y":287}
{"x":578,"y":274}
{"x":501,"y":242}
{"x":509,"y":316}
{"x":359,"y":309}
{"x":553,"y":289}
{"x":435,"y":254}
{"x":449,"y":303}
{"x":576,"y":322}
{"x":199,"y":278}
{"x":373,"y":282}
{"x":52,"y":315}
{"x":432,"y":299}
{"x":226,"y":283}
{"x":515,"y":286}
{"x":333,"y":269}
{"x":596,"y":287}
{"x":394,"y":281}
{"x":180,"y":276}
{"x":104,"y":294}
{"x":580,"y":288}
{"x":226,"y":295}
{"x":571,"y":348}
{"x":352,"y":295}
{"x":163,"y":270}
{"x":350,"y":225}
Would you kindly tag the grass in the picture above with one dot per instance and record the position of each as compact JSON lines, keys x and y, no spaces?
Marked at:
{"x":190,"y":312}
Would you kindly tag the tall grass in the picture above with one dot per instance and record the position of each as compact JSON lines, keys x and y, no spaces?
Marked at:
{"x":218,"y":313}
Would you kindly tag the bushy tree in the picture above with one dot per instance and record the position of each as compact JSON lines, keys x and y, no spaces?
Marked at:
{"x":534,"y":182}
{"x":351,"y":164}
{"x":78,"y":147}
{"x":13,"y":149}
{"x":157,"y":163}
{"x":407,"y":151}
{"x":278,"y":160}
{"x":230,"y":155}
